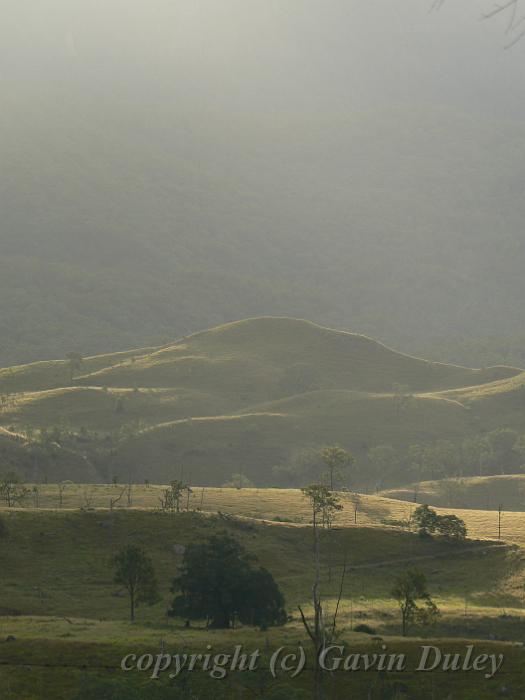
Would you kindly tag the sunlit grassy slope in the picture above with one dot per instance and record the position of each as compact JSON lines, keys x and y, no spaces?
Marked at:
{"x":58,"y":598}
{"x":79,"y":545}
{"x":275,"y":504}
{"x":485,"y":492}
{"x":251,"y":394}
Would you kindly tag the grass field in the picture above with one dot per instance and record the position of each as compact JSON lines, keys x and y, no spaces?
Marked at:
{"x":482,"y":493}
{"x":57,"y":595}
{"x":281,"y":504}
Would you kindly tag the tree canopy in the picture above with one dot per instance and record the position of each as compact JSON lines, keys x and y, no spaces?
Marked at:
{"x":415,"y":603}
{"x":429,"y":522}
{"x":218,"y":583}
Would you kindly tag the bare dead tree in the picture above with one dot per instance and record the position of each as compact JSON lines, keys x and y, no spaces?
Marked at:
{"x":515,"y":17}
{"x":62,"y":486}
{"x":320,"y":631}
{"x":113,"y":501}
{"x":88,"y":497}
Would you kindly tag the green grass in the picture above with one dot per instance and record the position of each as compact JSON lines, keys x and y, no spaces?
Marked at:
{"x":58,"y":563}
{"x":70,"y":620}
{"x":43,"y":669}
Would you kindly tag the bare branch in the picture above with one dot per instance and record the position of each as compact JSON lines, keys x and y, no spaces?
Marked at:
{"x":336,"y":613}
{"x":306,"y":625}
{"x":511,"y":8}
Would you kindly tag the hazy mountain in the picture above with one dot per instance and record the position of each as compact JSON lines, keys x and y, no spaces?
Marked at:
{"x":261,"y":397}
{"x":185,"y":164}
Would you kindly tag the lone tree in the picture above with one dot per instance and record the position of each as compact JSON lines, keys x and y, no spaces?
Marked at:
{"x":415,"y":603}
{"x":134,"y":571}
{"x":324,"y":504}
{"x":218,"y":583}
{"x":336,"y":460}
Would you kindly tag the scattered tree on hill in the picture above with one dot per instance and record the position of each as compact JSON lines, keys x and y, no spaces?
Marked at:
{"x":425,"y":519}
{"x":337,"y":460}
{"x":134,"y":571}
{"x":324,"y":503}
{"x":75,"y":361}
{"x":11,"y":489}
{"x":171,"y":497}
{"x":429,"y":522}
{"x":415,"y":603}
{"x":218,"y":583}
{"x":451,"y":527}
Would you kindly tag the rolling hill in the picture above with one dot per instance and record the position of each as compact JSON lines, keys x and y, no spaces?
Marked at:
{"x":248,"y":396}
{"x":485,"y":492}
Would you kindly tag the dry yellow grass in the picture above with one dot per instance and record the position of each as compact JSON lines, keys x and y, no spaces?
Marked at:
{"x":271,"y":504}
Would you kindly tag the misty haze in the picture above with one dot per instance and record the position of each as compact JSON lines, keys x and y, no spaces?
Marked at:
{"x":168,"y":166}
{"x":262,"y":350}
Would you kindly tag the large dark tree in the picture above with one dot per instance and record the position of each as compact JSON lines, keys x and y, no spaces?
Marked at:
{"x":218,"y":583}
